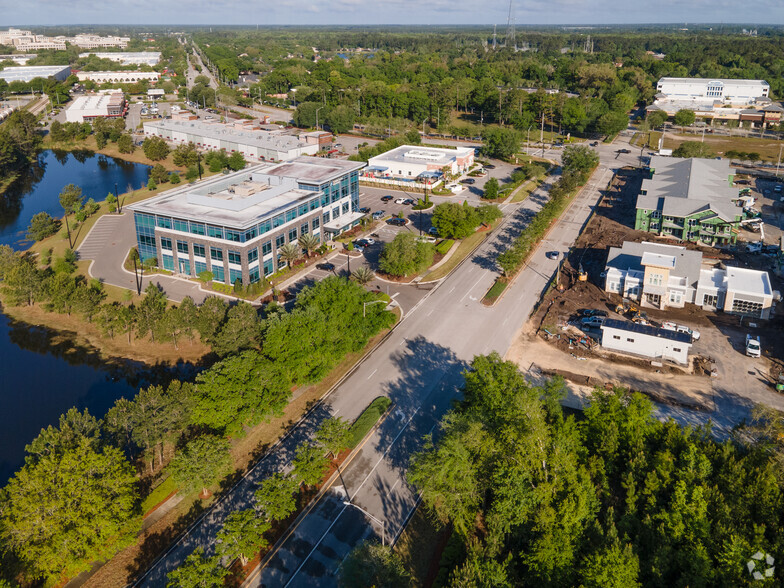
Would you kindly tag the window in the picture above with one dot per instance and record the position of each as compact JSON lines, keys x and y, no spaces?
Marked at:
{"x":253,"y":255}
{"x":233,"y":236}
{"x":253,"y":275}
{"x":180,"y":225}
{"x":216,"y":254}
{"x":182,"y":247}
{"x":629,"y":340}
{"x":291,"y":215}
{"x":293,"y":235}
{"x":315,"y":223}
{"x":655,"y":279}
{"x":325,"y":217}
{"x":304,"y":229}
{"x":269,"y":267}
{"x":197,"y":228}
{"x":250,"y":234}
{"x":168,"y":263}
{"x":218,"y":274}
{"x":302,"y":209}
{"x":234,"y":257}
{"x":265,"y":227}
{"x":676,"y":349}
{"x":166,"y":244}
{"x":617,"y":337}
{"x":163,"y":222}
{"x":235,"y":275}
{"x":345,"y":207}
{"x":266,"y":248}
{"x":746,"y":307}
{"x":278,"y":221}
{"x":216,"y":232}
{"x":280,"y":241}
{"x":200,"y":267}
{"x":335,"y":212}
{"x":676,"y":297}
{"x":198,"y":250}
{"x":709,"y":300}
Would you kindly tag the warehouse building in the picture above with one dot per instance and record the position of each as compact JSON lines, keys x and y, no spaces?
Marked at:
{"x":646,"y":341}
{"x":408,"y":161}
{"x":234,"y":225}
{"x":733,"y":92}
{"x":690,"y":199}
{"x":85,"y":108}
{"x":260,"y":145}
{"x":128,"y":58}
{"x":118,"y":77}
{"x":668,"y":276}
{"x":28,"y":73}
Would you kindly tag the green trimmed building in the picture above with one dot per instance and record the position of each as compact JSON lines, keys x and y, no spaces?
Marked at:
{"x":691,"y":200}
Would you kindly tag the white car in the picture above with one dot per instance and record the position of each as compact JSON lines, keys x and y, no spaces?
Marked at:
{"x":400,"y":201}
{"x":670,"y":326}
{"x":753,"y":347}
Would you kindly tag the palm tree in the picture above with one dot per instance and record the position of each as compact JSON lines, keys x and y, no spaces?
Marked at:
{"x":289,"y":253}
{"x":363,"y":275}
{"x":309,"y":243}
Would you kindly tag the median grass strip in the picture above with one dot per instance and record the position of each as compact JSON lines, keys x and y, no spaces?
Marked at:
{"x":495,"y":291}
{"x":368,"y":418}
{"x":444,"y":246}
{"x":465,"y":248}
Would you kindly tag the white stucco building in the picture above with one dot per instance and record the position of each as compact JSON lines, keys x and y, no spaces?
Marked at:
{"x":735,"y":92}
{"x":118,"y":77}
{"x":419,"y":161}
{"x":128,"y":57}
{"x":646,"y":341}
{"x":92,"y":106}
{"x":260,"y":145}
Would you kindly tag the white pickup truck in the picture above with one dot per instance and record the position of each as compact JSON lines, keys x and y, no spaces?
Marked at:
{"x":753,"y":347}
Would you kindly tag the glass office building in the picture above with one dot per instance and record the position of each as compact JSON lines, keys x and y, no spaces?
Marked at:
{"x":233,"y":225}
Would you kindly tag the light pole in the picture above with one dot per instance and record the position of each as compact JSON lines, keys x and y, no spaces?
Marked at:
{"x":374,"y":519}
{"x":778,"y":163}
{"x":317,"y":111}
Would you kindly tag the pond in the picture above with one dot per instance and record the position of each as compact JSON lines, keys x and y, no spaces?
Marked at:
{"x":39,"y":381}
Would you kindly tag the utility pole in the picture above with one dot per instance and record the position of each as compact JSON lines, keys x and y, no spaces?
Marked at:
{"x":778,"y":163}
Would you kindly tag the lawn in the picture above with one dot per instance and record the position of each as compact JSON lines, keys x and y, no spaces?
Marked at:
{"x":465,"y":248}
{"x":368,"y":418}
{"x":525,"y":190}
{"x":767,"y":148}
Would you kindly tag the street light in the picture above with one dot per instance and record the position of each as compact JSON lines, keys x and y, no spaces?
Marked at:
{"x":371,"y":517}
{"x":317,"y":111}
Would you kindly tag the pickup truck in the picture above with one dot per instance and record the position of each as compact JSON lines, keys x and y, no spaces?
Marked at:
{"x":753,"y":348}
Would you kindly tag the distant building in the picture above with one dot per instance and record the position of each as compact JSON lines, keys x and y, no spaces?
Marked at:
{"x":668,"y":276}
{"x":646,"y":341}
{"x":420,"y":161}
{"x":156,"y":93}
{"x":28,"y":73}
{"x":118,"y":77}
{"x":261,"y":145}
{"x":86,"y":41}
{"x":28,"y":41}
{"x":321,"y":138}
{"x":85,"y":108}
{"x":689,"y":199}
{"x":128,"y":58}
{"x":19,"y":58}
{"x":234,"y":225}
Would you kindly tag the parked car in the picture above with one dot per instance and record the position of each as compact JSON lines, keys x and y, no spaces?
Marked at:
{"x":426,"y":239}
{"x":753,"y":247}
{"x":386,"y":198}
{"x":408,"y":201}
{"x":326,"y":266}
{"x":366,"y":242}
{"x":592,"y":321}
{"x":378,"y":214}
{"x":553,"y":254}
{"x":397,"y":222}
{"x":433,"y":231}
{"x":400,"y":201}
{"x":753,"y":347}
{"x":671,"y":326}
{"x":595,"y":144}
{"x":624,"y":151}
{"x":468,"y":181}
{"x":364,"y":210}
{"x":489,"y":166}
{"x":591,"y":312}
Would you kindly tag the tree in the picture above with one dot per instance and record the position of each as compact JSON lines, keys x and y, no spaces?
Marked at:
{"x":155,"y":148}
{"x":656,"y":118}
{"x":309,"y":243}
{"x":684,"y":118}
{"x":413,"y":137}
{"x":694,"y":149}
{"x":363,"y":275}
{"x":71,"y":201}
{"x":241,"y":535}
{"x":152,"y":184}
{"x":289,"y":253}
{"x":305,"y":116}
{"x":125,"y":144}
{"x":579,"y":157}
{"x":334,"y":435}
{"x":405,"y":255}
{"x":198,"y":571}
{"x":491,"y":189}
{"x":612,"y":567}
{"x":111,"y":202}
{"x":454,"y":221}
{"x":310,"y":464}
{"x":70,"y":506}
{"x":159,"y":174}
{"x":174,"y":178}
{"x":500,"y":143}
{"x":574,"y":116}
{"x":612,"y":123}
{"x":42,"y":225}
{"x":371,"y":564}
{"x":276,"y":496}
{"x":203,"y":462}
{"x":185,"y":155}
{"x":239,"y":332}
{"x":237,"y":161}
{"x":150,"y":311}
{"x":341,"y":119}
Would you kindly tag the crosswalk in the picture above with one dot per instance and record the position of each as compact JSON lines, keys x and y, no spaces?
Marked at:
{"x":105,"y":231}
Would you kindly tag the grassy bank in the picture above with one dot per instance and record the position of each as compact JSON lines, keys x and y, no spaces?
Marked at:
{"x":464,"y":249}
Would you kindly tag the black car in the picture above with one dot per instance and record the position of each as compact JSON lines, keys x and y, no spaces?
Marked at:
{"x":595,"y":144}
{"x":329,"y":267}
{"x":468,"y":181}
{"x":624,"y":151}
{"x":591,"y":312}
{"x":386,"y":198}
{"x":364,"y":243}
{"x":397,"y":222}
{"x":408,"y":201}
{"x":489,"y":166}
{"x":364,"y":210}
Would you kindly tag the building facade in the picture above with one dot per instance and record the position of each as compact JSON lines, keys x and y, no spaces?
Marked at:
{"x":234,"y":225}
{"x":128,"y":57}
{"x":646,"y":341}
{"x":85,"y":108}
{"x":118,"y":77}
{"x":411,"y":162}
{"x":27,"y":40}
{"x":689,"y":199}
{"x":260,"y":145}
{"x":668,"y":276}
{"x":733,"y":92}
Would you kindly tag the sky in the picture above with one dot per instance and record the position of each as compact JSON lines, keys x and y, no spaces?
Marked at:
{"x":381,"y":12}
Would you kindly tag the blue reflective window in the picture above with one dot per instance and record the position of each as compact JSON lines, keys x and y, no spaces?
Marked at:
{"x":234,"y":257}
{"x":164,"y":222}
{"x":218,"y":274}
{"x":197,"y":228}
{"x":253,"y":275}
{"x":233,"y":236}
{"x":216,"y":232}
{"x":266,"y":248}
{"x":278,"y":221}
{"x":302,"y":209}
{"x":182,"y":247}
{"x":291,"y":214}
{"x":166,"y":244}
{"x":198,"y":250}
{"x":314,"y":204}
{"x":315,"y":223}
{"x":216,"y":254}
{"x":181,"y":225}
{"x":269,"y":267}
{"x":293,"y":235}
{"x":253,"y":255}
{"x":200,"y":267}
{"x":304,"y":229}
{"x":250,"y":234}
{"x":168,"y":262}
{"x":280,"y":241}
{"x":235,"y":275}
{"x":265,"y":227}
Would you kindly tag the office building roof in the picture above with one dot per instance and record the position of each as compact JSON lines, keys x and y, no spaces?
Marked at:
{"x":96,"y":101}
{"x":685,"y":263}
{"x":225,"y":132}
{"x":314,"y":170}
{"x":631,"y":327}
{"x":681,"y":187}
{"x":127,"y":57}
{"x":417,"y":154}
{"x":30,"y":72}
{"x":747,"y":281}
{"x":713,"y":80}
